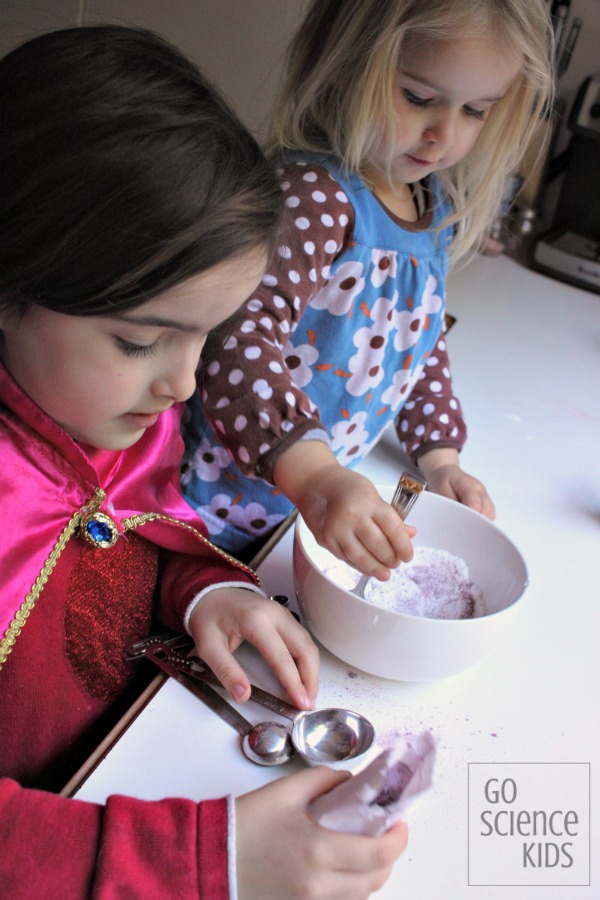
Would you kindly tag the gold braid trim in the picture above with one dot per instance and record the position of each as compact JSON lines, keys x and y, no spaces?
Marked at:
{"x":136,"y":521}
{"x":14,"y":629}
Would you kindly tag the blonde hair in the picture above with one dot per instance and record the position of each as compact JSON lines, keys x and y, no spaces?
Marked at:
{"x":337,"y":92}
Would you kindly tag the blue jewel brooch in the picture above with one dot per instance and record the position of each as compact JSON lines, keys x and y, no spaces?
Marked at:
{"x":99,"y":529}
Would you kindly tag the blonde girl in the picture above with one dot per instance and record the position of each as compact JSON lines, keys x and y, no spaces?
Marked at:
{"x":396,"y":127}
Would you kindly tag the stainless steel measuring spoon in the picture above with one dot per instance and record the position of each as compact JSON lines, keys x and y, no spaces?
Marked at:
{"x":332,"y":737}
{"x":267,"y":743}
{"x":408,"y":490}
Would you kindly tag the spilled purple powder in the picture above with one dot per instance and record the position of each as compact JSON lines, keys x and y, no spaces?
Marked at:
{"x":395,"y":782}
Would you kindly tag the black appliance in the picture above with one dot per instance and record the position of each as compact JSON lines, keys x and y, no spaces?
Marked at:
{"x":570,"y":250}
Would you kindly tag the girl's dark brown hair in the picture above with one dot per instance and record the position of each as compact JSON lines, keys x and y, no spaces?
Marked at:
{"x":122,"y":173}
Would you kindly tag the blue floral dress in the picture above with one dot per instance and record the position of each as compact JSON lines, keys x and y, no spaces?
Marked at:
{"x":344,"y":335}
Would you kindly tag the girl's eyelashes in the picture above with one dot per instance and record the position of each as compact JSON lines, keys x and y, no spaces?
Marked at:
{"x":475,"y":113}
{"x":140,"y":350}
{"x":414,"y":98}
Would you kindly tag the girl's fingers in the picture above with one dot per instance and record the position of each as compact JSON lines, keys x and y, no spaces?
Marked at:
{"x":371,"y":854}
{"x":397,"y":533}
{"x":223,"y":623}
{"x":308,"y":668}
{"x":357,"y":556}
{"x":351,"y":853}
{"x":298,"y":790}
{"x":318,"y":862}
{"x":374,"y":550}
{"x":483,"y":503}
{"x":487,"y":508}
{"x":292,"y":655}
{"x":474,"y":495}
{"x":225,"y":666}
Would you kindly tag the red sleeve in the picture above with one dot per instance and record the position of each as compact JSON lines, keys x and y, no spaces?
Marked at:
{"x":247,"y":383}
{"x":432,"y":416}
{"x":54,"y":847}
{"x":183,"y":576}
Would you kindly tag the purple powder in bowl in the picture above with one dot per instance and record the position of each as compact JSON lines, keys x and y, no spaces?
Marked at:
{"x":435,"y":584}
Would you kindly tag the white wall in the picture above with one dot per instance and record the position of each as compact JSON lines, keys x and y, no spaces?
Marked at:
{"x":238,"y":43}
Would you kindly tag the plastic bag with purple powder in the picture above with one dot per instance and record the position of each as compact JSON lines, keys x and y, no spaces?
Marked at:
{"x":379,"y":796}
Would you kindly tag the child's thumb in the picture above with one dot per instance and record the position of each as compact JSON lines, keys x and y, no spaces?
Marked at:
{"x":322,"y":779}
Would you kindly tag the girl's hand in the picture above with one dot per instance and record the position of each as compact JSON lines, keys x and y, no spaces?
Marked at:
{"x":226,"y":617}
{"x":445,"y":476}
{"x":346,"y":514}
{"x":343,"y":510}
{"x":300,"y":859}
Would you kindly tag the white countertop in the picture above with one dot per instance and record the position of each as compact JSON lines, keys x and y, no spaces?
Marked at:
{"x":526,"y":363}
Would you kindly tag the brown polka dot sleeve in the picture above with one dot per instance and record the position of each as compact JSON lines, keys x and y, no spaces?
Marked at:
{"x":432,"y":415}
{"x":247,"y":384}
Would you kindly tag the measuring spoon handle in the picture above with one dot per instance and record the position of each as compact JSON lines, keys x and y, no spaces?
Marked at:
{"x":199,"y":669}
{"x":274,"y":703}
{"x":202,"y":691}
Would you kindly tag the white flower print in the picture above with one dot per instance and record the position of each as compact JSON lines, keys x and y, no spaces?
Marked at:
{"x":207,"y":462}
{"x":384,"y":265}
{"x":225,"y":510}
{"x":218,"y":513}
{"x":366,"y":366}
{"x":399,"y":390}
{"x":411,"y":323}
{"x":299,"y":361}
{"x":431,"y":301}
{"x":254,"y":518}
{"x":338,"y":294}
{"x":349,"y":436}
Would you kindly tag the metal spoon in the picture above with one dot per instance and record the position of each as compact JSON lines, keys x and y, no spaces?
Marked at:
{"x":267,"y":743}
{"x":321,"y":737}
{"x":407,"y":492}
{"x":334,"y":737}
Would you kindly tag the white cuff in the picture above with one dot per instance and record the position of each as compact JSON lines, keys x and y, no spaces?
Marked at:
{"x":246,"y":586}
{"x":316,"y":434}
{"x":231,"y":849}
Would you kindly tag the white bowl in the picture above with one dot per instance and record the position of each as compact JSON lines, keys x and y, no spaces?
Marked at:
{"x":404,"y":647}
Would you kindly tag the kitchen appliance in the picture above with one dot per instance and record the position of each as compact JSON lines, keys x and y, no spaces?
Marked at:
{"x":570,"y":250}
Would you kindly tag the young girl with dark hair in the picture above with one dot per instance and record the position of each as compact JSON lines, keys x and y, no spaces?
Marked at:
{"x":136,"y":216}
